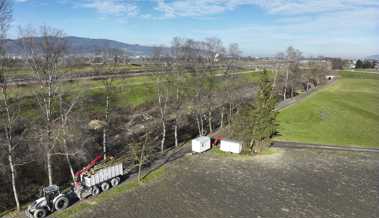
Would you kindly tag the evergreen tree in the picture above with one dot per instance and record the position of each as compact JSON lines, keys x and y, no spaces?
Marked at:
{"x":256,"y":123}
{"x":358,"y":64}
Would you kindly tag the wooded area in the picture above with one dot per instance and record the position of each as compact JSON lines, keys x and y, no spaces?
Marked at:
{"x":197,"y":88}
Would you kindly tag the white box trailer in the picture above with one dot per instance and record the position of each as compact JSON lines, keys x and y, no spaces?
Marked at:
{"x":230,"y":146}
{"x":201,"y":144}
{"x":94,"y":181}
{"x":103,"y":175}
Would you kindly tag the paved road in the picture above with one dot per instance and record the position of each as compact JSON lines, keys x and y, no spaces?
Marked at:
{"x":293,"y":183}
{"x":299,"y":145}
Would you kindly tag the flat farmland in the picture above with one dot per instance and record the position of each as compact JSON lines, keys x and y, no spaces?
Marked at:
{"x":345,"y":113}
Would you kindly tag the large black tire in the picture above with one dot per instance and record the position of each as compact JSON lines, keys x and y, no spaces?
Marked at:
{"x":61,"y":203}
{"x":115,"y":181}
{"x":39,"y":213}
{"x":105,"y":186}
{"x":95,"y":190}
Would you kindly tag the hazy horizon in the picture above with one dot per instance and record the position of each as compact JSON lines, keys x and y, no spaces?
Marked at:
{"x":336,"y":28}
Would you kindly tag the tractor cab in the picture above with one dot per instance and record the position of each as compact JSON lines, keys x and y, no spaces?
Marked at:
{"x":51,"y":199}
{"x":50,"y":192}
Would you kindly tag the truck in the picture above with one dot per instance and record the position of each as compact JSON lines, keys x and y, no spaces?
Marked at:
{"x":98,"y":176}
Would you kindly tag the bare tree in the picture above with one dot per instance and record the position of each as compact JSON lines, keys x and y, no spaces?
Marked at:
{"x":162,"y":93}
{"x":108,"y":62}
{"x":214,"y":47}
{"x":142,"y":156}
{"x":107,"y":112}
{"x":293,"y":57}
{"x":8,"y":125}
{"x":10,"y":116}
{"x":234,"y":51}
{"x":177,"y":82}
{"x":65,"y":110}
{"x":162,"y":90}
{"x":44,"y":50}
{"x":234,"y":54}
{"x":109,"y":65}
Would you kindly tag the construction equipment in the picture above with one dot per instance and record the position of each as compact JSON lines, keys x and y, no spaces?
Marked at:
{"x":99,"y":175}
{"x":51,"y":200}
{"x":92,"y":182}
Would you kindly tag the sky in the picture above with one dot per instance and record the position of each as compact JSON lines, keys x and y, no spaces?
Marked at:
{"x":337,"y":28}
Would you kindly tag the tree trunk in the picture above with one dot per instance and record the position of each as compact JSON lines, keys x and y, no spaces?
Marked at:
{"x":13,"y":176}
{"x":201,"y":125}
{"x":198,"y":124}
{"x":230,"y":112}
{"x":105,"y":129}
{"x":49,"y":168}
{"x":64,"y":123}
{"x":105,"y":143}
{"x":292,"y":92}
{"x":141,"y":162}
{"x":222,"y":118}
{"x":163,"y":135}
{"x":70,"y":167}
{"x":210,"y":121}
{"x":176,"y":132}
{"x":285,"y":86}
{"x":8,"y":132}
{"x":50,"y":143}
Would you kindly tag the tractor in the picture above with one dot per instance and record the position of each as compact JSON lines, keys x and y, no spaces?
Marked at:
{"x":88,"y":181}
{"x":51,"y":199}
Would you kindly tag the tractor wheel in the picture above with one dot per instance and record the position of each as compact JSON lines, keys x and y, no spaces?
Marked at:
{"x":115,"y":181}
{"x":61,"y":203}
{"x":95,"y":190}
{"x":105,"y":186}
{"x":39,"y":213}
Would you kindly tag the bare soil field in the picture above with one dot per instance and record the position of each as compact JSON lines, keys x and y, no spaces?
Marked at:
{"x":289,"y":183}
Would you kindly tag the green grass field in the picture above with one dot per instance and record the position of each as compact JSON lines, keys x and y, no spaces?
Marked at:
{"x":25,"y":72}
{"x":129,"y":92}
{"x":345,"y":113}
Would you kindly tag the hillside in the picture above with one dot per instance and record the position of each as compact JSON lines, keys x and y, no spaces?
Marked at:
{"x":87,"y":46}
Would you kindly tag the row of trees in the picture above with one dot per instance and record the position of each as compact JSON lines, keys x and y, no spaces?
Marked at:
{"x":196,"y":85}
{"x":297,"y":76}
{"x":365,"y":64}
{"x":58,"y":134}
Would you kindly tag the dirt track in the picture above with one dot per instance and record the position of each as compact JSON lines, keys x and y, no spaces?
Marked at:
{"x":291,"y":183}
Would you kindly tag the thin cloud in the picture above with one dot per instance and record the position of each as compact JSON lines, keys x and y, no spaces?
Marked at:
{"x":188,"y":8}
{"x":112,"y":7}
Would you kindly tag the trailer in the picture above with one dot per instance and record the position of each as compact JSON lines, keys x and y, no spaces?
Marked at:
{"x":201,"y":144}
{"x":94,"y":181}
{"x":231,"y":146}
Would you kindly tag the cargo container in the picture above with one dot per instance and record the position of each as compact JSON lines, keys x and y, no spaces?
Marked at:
{"x":201,"y":144}
{"x":230,"y":146}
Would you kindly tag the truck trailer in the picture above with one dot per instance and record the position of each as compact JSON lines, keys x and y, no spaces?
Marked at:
{"x":98,"y":176}
{"x":94,"y":181}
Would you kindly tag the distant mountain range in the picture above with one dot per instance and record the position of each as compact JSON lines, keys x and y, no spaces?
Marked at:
{"x":87,"y":46}
{"x":376,"y":57}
